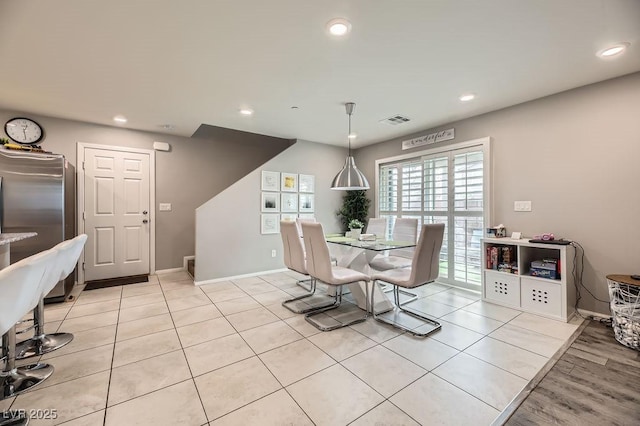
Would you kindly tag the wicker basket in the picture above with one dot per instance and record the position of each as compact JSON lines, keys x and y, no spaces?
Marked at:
{"x":625,"y":310}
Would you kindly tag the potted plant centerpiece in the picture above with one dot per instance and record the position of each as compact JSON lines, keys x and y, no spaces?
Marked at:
{"x":356,"y":228}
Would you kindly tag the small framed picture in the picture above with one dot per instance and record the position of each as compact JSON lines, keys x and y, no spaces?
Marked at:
{"x":289,"y":182}
{"x":289,"y":216}
{"x":270,"y":202}
{"x":306,"y":183}
{"x":516,"y":235}
{"x":307,"y":216}
{"x":289,"y":202}
{"x":270,"y":181}
{"x":269,"y":223}
{"x":306,"y":203}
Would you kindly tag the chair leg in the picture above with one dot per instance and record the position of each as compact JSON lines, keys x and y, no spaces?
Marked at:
{"x":41,"y":343}
{"x":412,"y":296}
{"x":335,"y":305}
{"x":310,"y":308}
{"x":400,"y":308}
{"x":303,"y":284}
{"x":15,"y":380}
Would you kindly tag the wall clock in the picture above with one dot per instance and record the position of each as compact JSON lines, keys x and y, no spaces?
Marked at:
{"x":23,"y":130}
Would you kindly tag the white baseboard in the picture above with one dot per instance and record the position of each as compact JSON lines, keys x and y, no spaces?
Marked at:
{"x":168,"y":271}
{"x":235,"y":277}
{"x":186,"y":260}
{"x":586,"y":313}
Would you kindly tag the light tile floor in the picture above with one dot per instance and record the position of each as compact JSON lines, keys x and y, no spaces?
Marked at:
{"x":167,"y":352}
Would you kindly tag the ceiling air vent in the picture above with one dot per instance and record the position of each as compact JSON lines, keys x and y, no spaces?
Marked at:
{"x":395,"y":120}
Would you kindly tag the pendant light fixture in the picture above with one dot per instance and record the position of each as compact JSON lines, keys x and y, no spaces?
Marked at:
{"x":350,"y":178}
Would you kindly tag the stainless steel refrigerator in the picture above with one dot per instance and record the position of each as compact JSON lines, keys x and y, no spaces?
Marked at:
{"x":37,"y":194}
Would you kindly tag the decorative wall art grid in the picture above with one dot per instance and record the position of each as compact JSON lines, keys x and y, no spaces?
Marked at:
{"x":290,"y":194}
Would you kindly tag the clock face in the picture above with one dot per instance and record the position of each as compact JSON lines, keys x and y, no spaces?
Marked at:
{"x":23,"y":130}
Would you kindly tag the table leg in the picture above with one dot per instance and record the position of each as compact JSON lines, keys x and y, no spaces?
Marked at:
{"x":358,"y":259}
{"x":383,"y":303}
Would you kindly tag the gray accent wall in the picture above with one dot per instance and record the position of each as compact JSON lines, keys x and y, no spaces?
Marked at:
{"x":228,"y":239}
{"x":576,"y":157}
{"x":193,"y":171}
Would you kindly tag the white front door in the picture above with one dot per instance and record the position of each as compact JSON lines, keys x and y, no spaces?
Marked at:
{"x":116,"y":213}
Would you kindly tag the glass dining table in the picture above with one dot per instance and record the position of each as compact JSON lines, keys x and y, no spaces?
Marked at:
{"x":357,"y":254}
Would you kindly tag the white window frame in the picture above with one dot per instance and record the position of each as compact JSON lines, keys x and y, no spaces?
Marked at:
{"x":485,"y":146}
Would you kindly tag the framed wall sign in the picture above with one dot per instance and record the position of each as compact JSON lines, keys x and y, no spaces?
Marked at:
{"x":289,"y":203}
{"x":269,"y":223}
{"x":289,"y":216}
{"x":270,"y":181}
{"x":289,"y":182}
{"x":306,"y":183}
{"x":306,"y":203}
{"x":270,"y":202}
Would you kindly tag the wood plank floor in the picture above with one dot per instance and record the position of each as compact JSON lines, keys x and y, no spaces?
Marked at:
{"x":595,"y":382}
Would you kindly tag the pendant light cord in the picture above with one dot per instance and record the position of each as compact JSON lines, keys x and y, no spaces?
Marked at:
{"x":349,"y":107}
{"x":349,"y":135}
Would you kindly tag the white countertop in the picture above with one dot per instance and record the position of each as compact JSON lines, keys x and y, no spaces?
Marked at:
{"x":7,"y":238}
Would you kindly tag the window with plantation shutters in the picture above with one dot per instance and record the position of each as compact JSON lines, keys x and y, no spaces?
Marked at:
{"x":411,"y":187}
{"x":387,"y":189}
{"x":388,"y":195}
{"x":468,"y":191}
{"x":468,"y":182}
{"x":446,"y":187}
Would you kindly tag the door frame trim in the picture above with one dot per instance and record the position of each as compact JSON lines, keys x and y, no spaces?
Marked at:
{"x":80,"y":148}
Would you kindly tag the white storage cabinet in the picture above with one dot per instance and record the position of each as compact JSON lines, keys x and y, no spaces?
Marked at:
{"x":552,"y":298}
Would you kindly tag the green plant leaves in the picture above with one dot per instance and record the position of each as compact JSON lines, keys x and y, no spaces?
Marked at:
{"x":355,"y":205}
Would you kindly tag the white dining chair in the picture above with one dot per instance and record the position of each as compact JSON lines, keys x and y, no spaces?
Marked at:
{"x":320,"y":267}
{"x":404,"y":229}
{"x":294,"y":259}
{"x":377,"y":226}
{"x":424,"y":270}
{"x":299,"y":222}
{"x":303,"y":283}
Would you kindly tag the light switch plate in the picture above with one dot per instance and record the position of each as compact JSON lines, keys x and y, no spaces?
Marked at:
{"x":522,"y":206}
{"x":164,"y":207}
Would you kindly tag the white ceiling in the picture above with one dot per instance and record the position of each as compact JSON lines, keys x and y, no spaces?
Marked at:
{"x":191,"y":62}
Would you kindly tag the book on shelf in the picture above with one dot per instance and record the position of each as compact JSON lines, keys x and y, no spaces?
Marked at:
{"x":502,"y":259}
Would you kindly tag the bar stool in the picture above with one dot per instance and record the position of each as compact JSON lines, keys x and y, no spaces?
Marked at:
{"x":20,"y":286}
{"x":67,"y":255}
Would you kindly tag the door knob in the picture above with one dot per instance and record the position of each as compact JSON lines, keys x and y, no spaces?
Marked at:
{"x":144,"y":212}
{"x":145,"y":221}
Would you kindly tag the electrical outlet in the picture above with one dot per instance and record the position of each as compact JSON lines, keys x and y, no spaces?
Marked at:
{"x":164,"y":207}
{"x":522,"y":206}
{"x":273,"y":253}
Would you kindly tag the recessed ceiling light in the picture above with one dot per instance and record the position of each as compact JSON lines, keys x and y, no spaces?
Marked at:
{"x":467,"y":97}
{"x":339,"y":27}
{"x":614,"y":50}
{"x":168,"y":126}
{"x":120,"y":119}
{"x":352,"y":136}
{"x":246,"y":111}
